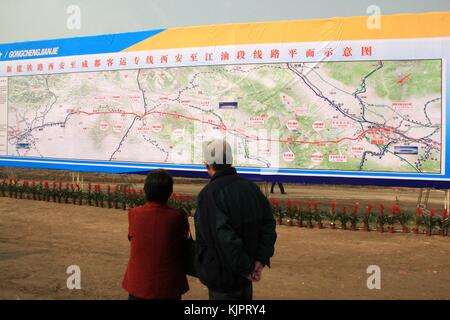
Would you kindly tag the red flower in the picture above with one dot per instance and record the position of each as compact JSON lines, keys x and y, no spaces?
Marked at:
{"x":419,"y":212}
{"x":333,"y":206}
{"x":188,"y":197}
{"x":381,"y":209}
{"x":288,"y":203}
{"x":444,"y":214}
{"x":432,"y":213}
{"x":344,"y":210}
{"x":369,"y":209}
{"x":275,"y":202}
{"x":355,"y":209}
{"x":109,"y":189}
{"x":180,"y":198}
{"x":308,"y":205}
{"x":316,"y":205}
{"x":395,"y":209}
{"x":298,"y":204}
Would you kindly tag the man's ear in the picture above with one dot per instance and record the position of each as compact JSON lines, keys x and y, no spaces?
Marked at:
{"x":206,"y":165}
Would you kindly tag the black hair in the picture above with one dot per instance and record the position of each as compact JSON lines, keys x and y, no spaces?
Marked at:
{"x":158,"y":186}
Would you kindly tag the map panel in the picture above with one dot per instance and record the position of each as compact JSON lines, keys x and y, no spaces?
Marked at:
{"x":380,"y":116}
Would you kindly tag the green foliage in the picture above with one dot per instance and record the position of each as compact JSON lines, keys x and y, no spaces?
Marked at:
{"x":404,"y":218}
{"x":382,"y":219}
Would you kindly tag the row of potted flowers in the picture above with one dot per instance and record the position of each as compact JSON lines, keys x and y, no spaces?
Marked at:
{"x":355,"y":217}
{"x":119,"y":196}
{"x":303,"y":214}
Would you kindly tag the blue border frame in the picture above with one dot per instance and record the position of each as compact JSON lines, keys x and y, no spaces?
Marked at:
{"x":198,"y":171}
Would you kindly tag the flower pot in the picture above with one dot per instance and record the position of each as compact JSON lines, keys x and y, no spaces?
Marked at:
{"x":365,"y":227}
{"x":309,"y":225}
{"x":332,"y":226}
{"x":429,"y":233}
{"x":353,"y":227}
{"x":290,"y":223}
{"x":344,"y":227}
{"x":279,"y":221}
{"x":405,"y":230}
{"x":380,"y":229}
{"x":415,"y":231}
{"x":441,"y":232}
{"x":320,"y":225}
{"x":391,"y":229}
{"x":300,"y":224}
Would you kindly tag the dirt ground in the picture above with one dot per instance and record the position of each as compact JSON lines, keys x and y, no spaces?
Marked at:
{"x":39,"y":240}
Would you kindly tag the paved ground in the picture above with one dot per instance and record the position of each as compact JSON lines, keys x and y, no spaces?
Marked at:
{"x":39,"y":240}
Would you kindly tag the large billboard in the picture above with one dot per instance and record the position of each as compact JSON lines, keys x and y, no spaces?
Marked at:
{"x":303,"y":101}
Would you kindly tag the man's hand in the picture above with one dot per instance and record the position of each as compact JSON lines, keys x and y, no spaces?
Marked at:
{"x":256,"y":275}
{"x":259,"y":266}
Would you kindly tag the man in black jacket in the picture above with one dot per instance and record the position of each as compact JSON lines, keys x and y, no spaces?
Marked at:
{"x":235,"y":228}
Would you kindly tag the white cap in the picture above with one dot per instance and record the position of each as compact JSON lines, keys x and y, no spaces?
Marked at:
{"x":217,"y":151}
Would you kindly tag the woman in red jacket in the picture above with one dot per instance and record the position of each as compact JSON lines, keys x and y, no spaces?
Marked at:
{"x":156,"y":233}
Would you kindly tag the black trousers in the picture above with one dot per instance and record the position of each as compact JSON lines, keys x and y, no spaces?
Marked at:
{"x":245,"y":293}
{"x":280,"y":185}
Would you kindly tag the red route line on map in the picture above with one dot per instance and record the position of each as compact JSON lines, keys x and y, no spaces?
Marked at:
{"x":141,"y":116}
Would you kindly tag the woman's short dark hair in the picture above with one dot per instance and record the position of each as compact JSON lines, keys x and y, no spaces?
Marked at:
{"x":158,"y":186}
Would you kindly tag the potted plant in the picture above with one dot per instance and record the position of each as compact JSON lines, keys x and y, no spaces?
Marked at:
{"x":419,"y":221}
{"x":189,"y":205}
{"x":445,"y":225}
{"x":11,"y":188}
{"x":367,"y":218}
{"x":392,"y":218}
{"x":22,"y":188}
{"x":299,"y":213}
{"x":277,"y":212}
{"x":404,"y":217}
{"x":3,"y":188}
{"x":332,"y":215}
{"x":78,"y":195}
{"x":308,"y":215}
{"x":354,"y":218}
{"x":318,"y":217}
{"x":290,"y":213}
{"x":381,"y":218}
{"x":343,"y":218}
{"x":431,"y":221}
{"x":117,"y":197}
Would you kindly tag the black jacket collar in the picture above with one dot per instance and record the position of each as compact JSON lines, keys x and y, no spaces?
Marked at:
{"x":224,"y":172}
